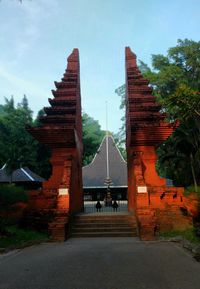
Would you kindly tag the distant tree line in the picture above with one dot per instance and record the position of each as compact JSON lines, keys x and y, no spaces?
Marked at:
{"x":19,"y":148}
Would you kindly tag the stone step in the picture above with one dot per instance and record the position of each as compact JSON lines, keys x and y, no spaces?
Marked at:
{"x":103,"y":234}
{"x":95,"y":224}
{"x":103,"y":229}
{"x":104,"y":217}
{"x":103,"y":226}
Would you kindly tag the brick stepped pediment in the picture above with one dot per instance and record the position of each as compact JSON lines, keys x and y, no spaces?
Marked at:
{"x":142,"y":112}
{"x":62,"y":116}
{"x":60,"y":110}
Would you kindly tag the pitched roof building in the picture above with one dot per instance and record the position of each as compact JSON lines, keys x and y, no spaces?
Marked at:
{"x":107,"y":163}
{"x":22,"y":175}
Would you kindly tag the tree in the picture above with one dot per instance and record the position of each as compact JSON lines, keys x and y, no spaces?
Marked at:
{"x":43,"y":153}
{"x":17,"y":147}
{"x":176,"y":84}
{"x":92,"y":137}
{"x":120,"y":137}
{"x":175,"y":79}
{"x":179,"y":155}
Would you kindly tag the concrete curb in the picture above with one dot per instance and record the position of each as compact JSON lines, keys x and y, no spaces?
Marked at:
{"x":191,"y":247}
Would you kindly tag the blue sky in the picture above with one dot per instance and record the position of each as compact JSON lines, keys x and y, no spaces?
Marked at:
{"x":37,"y":36}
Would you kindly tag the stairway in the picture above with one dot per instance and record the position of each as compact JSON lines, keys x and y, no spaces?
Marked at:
{"x":103,"y":226}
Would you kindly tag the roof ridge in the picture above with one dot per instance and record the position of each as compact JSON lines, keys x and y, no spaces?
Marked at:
{"x":27,"y":174}
{"x":96,"y":153}
{"x":118,"y":149}
{"x":99,"y":148}
{"x":3,"y":167}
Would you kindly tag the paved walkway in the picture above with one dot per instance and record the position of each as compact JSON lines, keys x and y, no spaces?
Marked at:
{"x":100,"y":263}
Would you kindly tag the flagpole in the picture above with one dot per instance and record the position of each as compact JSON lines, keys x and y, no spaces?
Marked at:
{"x":107,"y":153}
{"x":108,"y":181}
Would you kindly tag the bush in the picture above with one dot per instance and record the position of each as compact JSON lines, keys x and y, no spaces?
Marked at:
{"x":10,"y":195}
{"x":188,"y":234}
{"x":16,"y":237}
{"x":191,"y":189}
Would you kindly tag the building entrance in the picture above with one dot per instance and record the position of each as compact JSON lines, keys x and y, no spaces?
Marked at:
{"x":105,"y":180}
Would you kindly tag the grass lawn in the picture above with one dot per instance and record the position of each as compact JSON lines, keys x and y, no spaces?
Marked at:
{"x":188,"y":234}
{"x":19,"y":238}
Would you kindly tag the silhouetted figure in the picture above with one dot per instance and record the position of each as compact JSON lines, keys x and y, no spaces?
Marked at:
{"x":175,"y":196}
{"x":162,"y":195}
{"x":98,"y":206}
{"x":184,"y":211}
{"x":156,"y":230}
{"x":115,"y":206}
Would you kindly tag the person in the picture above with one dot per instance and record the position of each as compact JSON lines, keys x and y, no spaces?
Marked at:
{"x":98,"y":206}
{"x":115,"y":205}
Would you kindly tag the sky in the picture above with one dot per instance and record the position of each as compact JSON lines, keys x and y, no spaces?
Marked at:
{"x":36,"y":36}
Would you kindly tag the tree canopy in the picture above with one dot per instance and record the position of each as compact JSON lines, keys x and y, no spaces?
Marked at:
{"x":176,"y":82}
{"x":17,"y":146}
{"x":92,"y":137}
{"x":176,"y":79}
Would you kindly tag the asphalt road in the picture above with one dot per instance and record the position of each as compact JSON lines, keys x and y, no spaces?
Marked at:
{"x":100,"y":263}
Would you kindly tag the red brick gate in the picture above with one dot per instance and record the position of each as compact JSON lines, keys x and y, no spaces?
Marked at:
{"x":61,"y":130}
{"x":157,"y":207}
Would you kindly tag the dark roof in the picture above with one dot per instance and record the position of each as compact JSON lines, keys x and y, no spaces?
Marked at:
{"x":94,"y":174}
{"x":4,"y":177}
{"x":20,"y":175}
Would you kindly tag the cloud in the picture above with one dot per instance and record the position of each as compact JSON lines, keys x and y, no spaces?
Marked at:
{"x":20,"y":86}
{"x":24,"y":28}
{"x":19,"y":82}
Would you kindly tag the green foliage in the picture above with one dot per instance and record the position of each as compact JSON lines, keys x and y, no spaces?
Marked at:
{"x":121,"y":91}
{"x":10,"y":195}
{"x":18,"y":238}
{"x":92,"y":137}
{"x":17,"y":146}
{"x":176,"y":79}
{"x":159,"y":61}
{"x":189,"y":234}
{"x":43,"y":153}
{"x":183,"y":103}
{"x":176,"y":84}
{"x":179,"y":155}
{"x":191,"y":189}
{"x":120,"y":137}
{"x":120,"y":142}
{"x":1,"y":109}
